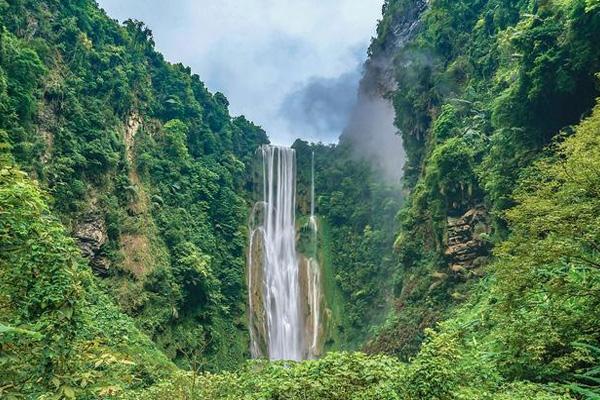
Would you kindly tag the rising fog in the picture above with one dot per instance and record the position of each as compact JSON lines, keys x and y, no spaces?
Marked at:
{"x":373,"y":136}
{"x":370,"y":129}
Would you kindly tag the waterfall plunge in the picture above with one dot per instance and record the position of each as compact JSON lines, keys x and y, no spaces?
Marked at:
{"x":281,"y":296}
{"x":285,"y":295}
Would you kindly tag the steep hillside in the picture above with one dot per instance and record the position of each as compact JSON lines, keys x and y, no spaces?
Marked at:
{"x":64,"y":337}
{"x":482,"y":89}
{"x":144,"y":166}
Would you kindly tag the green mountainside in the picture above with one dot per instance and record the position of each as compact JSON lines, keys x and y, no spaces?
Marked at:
{"x":485,"y":89}
{"x":142,"y":165}
{"x":125,"y":187}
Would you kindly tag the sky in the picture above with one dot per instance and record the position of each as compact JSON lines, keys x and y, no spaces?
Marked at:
{"x":292,"y":67}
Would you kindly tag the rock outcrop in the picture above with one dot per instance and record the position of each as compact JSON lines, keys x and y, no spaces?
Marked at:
{"x":132,"y":126}
{"x":91,"y":235}
{"x":467,"y":244}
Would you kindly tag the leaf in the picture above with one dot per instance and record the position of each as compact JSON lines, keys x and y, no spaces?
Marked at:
{"x":68,"y":392}
{"x":56,"y":382}
{"x":68,"y":312}
{"x":10,"y":329}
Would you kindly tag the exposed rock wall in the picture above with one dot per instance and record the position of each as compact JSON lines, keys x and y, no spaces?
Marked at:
{"x":133,"y":124}
{"x":313,"y":306}
{"x":91,"y":235}
{"x":257,"y":316}
{"x":467,"y":245}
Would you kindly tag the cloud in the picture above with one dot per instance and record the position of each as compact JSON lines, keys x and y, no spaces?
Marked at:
{"x":263,"y":53}
{"x":319,"y":110}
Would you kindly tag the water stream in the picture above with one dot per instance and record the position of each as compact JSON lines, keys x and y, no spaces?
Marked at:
{"x":313,"y":270}
{"x":284,"y":286}
{"x":280,"y":275}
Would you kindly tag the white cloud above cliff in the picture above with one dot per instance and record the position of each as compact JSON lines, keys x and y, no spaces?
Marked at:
{"x":289,"y":66}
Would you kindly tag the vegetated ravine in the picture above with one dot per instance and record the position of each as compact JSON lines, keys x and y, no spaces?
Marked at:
{"x":151,"y":244}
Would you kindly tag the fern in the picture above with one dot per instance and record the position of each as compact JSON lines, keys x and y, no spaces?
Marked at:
{"x":587,"y":383}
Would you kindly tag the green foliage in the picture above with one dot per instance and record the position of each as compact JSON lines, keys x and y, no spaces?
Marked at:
{"x":533,"y":319}
{"x":109,"y":127}
{"x":438,"y":373}
{"x":446,"y":123}
{"x":336,"y":376}
{"x":549,"y":266}
{"x":586,"y":382}
{"x":450,"y":178}
{"x":37,"y":299}
{"x":433,"y":374}
{"x":358,"y":210}
{"x":175,"y":139}
{"x":106,"y":125}
{"x":483,"y":87}
{"x":64,"y":338}
{"x":25,"y":69}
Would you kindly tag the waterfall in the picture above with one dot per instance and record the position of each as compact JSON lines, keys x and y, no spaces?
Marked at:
{"x":314,"y":271}
{"x":285,"y":295}
{"x":276,"y":272}
{"x":313,"y":219}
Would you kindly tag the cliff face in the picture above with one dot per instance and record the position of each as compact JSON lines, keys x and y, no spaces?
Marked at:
{"x":144,"y":164}
{"x":475,"y":103}
{"x":399,"y":26}
{"x":91,"y":236}
{"x":467,"y":243}
{"x":371,"y":131}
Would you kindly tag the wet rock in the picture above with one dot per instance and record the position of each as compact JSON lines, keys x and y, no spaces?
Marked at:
{"x":91,"y":236}
{"x":467,"y":247}
{"x":259,"y":346}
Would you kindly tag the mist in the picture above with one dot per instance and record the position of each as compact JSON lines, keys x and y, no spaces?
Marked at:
{"x":371,"y":134}
{"x":370,"y":131}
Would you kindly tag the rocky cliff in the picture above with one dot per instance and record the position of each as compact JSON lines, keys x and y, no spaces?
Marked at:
{"x":467,"y":241}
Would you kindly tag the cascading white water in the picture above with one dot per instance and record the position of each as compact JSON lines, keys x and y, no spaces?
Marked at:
{"x":313,"y":273}
{"x":285,"y":291}
{"x":281,"y":295}
{"x":313,"y":281}
{"x":313,"y":218}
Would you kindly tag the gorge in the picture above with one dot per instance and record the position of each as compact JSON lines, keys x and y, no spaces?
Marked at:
{"x":155,"y":246}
